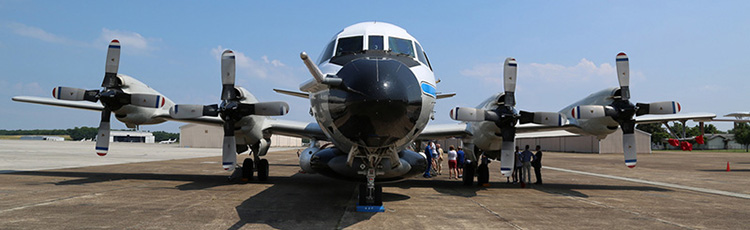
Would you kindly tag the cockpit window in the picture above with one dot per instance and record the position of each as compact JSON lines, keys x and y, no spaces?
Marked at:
{"x":420,"y":54}
{"x":402,"y":46}
{"x":349,"y":45}
{"x":375,"y":43}
{"x":327,"y":52}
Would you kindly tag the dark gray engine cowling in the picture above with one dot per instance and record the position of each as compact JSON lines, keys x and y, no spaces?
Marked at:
{"x":331,"y":162}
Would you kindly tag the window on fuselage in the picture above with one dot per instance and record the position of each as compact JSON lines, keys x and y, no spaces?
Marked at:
{"x":420,"y":54}
{"x":349,"y":45}
{"x":375,"y":43}
{"x":401,"y":46}
{"x":327,"y":52}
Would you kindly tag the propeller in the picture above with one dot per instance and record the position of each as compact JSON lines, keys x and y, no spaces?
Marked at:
{"x":231,"y":109}
{"x":505,"y":116}
{"x":623,"y":111}
{"x":111,"y":96}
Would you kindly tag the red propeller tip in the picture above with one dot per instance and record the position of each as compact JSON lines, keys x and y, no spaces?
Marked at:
{"x":631,"y":166}
{"x":679,"y":108}
{"x":115,"y":40}
{"x":621,"y":54}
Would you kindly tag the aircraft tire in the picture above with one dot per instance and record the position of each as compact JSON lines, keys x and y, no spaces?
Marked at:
{"x":247,"y":169}
{"x":263,"y":170}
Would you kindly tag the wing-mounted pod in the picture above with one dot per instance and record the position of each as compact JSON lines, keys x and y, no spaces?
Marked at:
{"x":111,"y":96}
{"x":623,"y":111}
{"x":231,"y":109}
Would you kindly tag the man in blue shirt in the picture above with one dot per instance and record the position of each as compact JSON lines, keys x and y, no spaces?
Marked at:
{"x":460,"y":161}
{"x":428,"y":154}
{"x":526,"y":158}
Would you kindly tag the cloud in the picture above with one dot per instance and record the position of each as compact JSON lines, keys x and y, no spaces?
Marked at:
{"x":584,"y":71}
{"x":264,"y":68}
{"x":131,"y":40}
{"x":36,"y":33}
{"x":21,"y":88}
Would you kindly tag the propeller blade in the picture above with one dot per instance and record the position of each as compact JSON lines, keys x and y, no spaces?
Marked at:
{"x":273,"y":108}
{"x":473,"y":114}
{"x":147,"y":100}
{"x":543,"y":118}
{"x":623,"y":75}
{"x":628,"y":142}
{"x":509,"y":81}
{"x":662,"y":107}
{"x":227,"y":75}
{"x":507,"y":159}
{"x":113,"y":63}
{"x":102,"y":137}
{"x":75,"y":94}
{"x":229,"y":147}
{"x":187,"y":111}
{"x":592,"y":111}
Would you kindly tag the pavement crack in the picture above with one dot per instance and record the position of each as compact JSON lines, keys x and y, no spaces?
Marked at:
{"x":497,"y":215}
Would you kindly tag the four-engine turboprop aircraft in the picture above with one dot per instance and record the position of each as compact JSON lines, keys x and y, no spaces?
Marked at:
{"x":492,"y":126}
{"x":372,"y":93}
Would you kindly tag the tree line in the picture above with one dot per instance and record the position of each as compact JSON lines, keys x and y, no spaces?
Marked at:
{"x":659,"y":133}
{"x":79,"y":133}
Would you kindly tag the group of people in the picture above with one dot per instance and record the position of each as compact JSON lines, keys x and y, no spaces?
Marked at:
{"x":524,"y":161}
{"x":456,"y":159}
{"x":434,"y":153}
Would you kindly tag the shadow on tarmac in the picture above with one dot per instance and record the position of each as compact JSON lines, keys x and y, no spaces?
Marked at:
{"x":305,"y":201}
{"x":196,"y":182}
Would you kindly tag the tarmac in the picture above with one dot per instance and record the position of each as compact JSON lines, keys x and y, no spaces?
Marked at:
{"x":64,"y":185}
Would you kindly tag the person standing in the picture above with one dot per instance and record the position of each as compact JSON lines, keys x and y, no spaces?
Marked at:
{"x":452,"y":163}
{"x":428,"y":154}
{"x":517,"y":166}
{"x":460,"y":161}
{"x":526,"y":157}
{"x":439,"y":160}
{"x":537,"y":164}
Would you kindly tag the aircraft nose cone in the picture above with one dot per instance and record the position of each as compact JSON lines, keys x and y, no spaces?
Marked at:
{"x":381,"y":105}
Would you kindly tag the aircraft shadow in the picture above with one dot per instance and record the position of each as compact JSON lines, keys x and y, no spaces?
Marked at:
{"x":456,"y":188}
{"x":304,"y":201}
{"x":196,"y":182}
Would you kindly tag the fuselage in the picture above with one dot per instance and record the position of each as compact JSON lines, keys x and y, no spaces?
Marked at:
{"x":386,"y":98}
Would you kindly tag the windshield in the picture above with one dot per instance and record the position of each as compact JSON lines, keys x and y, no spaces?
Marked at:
{"x":401,"y":46}
{"x":349,"y":45}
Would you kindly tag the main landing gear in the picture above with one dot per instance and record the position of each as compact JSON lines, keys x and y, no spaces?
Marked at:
{"x":250,"y":166}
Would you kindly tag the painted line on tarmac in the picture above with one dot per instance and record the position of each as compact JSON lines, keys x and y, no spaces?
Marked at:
{"x":695,"y":189}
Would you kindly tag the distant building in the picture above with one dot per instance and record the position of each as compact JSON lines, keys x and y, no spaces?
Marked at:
{"x":43,"y":138}
{"x":718,"y":141}
{"x":206,"y":136}
{"x":562,"y":141}
{"x":131,"y":136}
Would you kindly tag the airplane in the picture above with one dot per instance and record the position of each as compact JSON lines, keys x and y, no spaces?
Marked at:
{"x":492,"y":126}
{"x":372,"y":94}
{"x":170,"y":141}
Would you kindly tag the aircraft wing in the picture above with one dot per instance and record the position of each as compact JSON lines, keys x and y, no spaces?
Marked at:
{"x":645,"y":119}
{"x":204,"y":120}
{"x":443,"y":131}
{"x":295,"y":129}
{"x":535,"y":128}
{"x":62,"y":103}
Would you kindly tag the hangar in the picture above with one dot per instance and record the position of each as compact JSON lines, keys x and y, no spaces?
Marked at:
{"x":131,"y":136}
{"x":563,"y":141}
{"x":206,"y":136}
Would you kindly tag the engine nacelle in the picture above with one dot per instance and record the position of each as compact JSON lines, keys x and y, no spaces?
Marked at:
{"x":304,"y":159}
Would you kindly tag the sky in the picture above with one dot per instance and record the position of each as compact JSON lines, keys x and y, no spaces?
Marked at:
{"x":694,"y":52}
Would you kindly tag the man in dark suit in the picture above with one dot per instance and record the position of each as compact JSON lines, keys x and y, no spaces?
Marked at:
{"x":537,"y":164}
